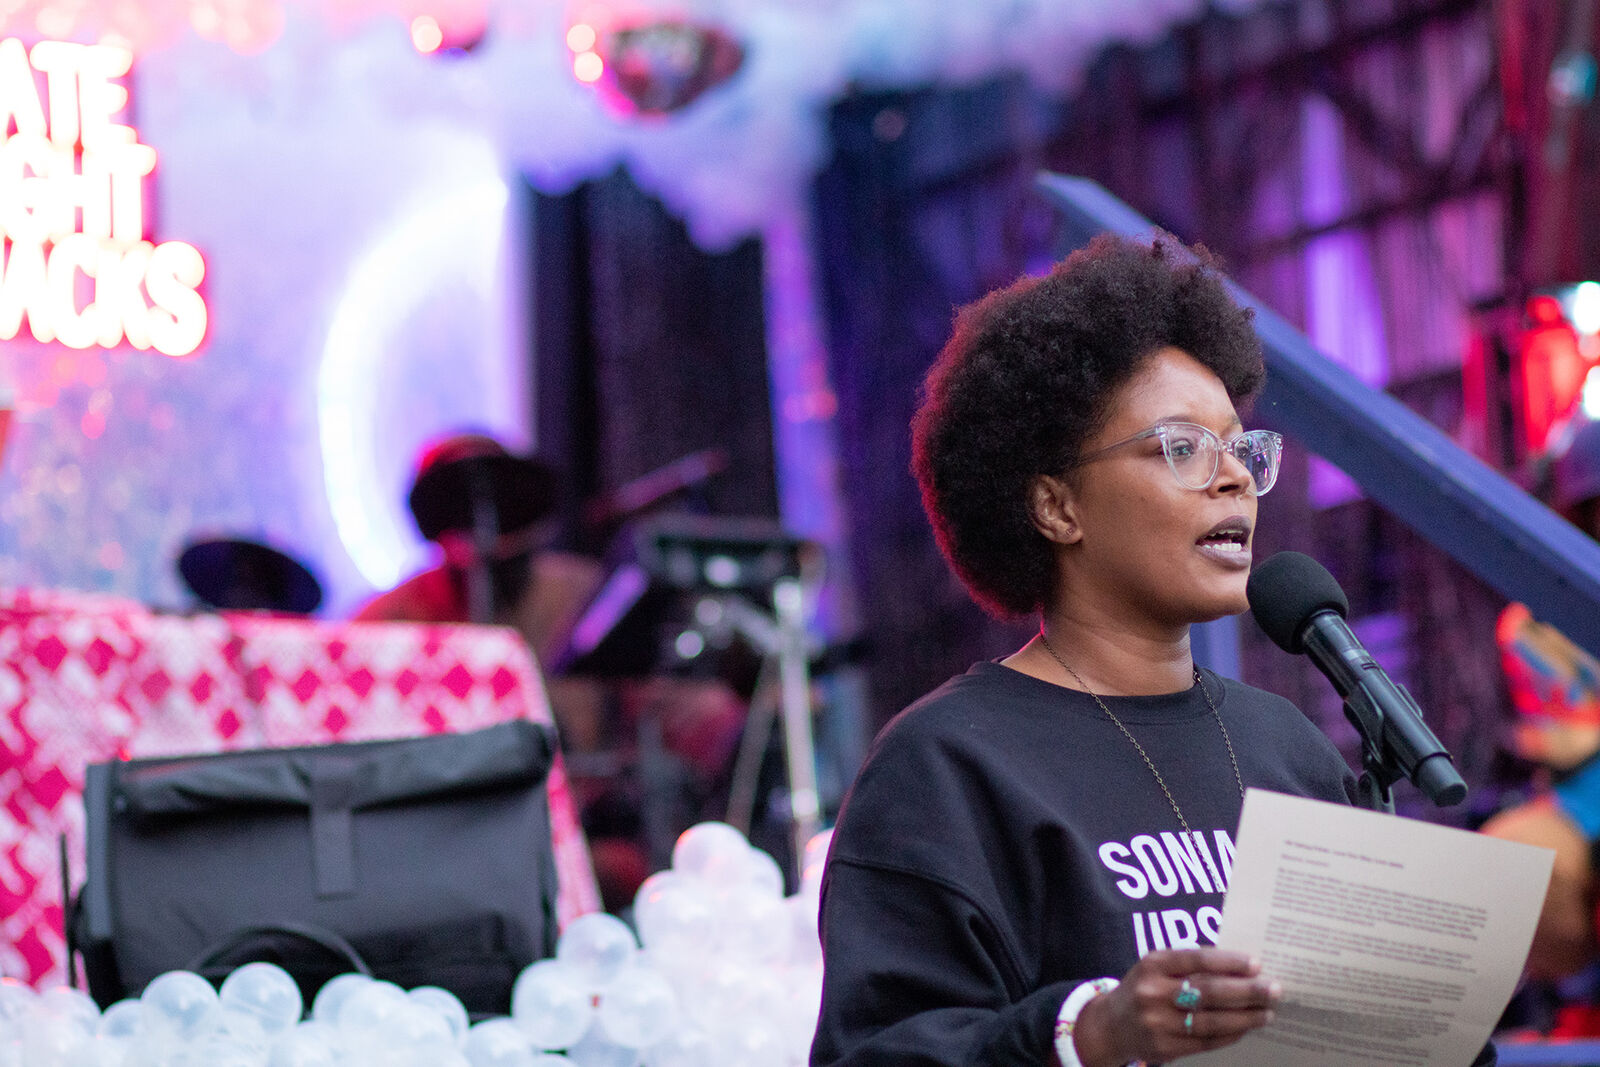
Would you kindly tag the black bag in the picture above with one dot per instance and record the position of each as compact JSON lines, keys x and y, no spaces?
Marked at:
{"x":427,"y":858}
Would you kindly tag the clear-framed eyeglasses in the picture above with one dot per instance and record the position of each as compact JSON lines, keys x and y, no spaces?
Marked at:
{"x":1195,"y":453}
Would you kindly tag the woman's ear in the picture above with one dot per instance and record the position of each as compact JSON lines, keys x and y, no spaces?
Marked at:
{"x":1052,"y":508}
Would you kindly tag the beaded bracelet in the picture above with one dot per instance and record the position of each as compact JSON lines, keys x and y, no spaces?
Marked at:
{"x":1067,"y":1018}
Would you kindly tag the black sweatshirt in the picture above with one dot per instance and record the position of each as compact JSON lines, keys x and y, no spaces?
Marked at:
{"x":1005,"y":841}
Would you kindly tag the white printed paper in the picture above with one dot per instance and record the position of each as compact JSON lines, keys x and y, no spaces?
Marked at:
{"x":1397,"y":942}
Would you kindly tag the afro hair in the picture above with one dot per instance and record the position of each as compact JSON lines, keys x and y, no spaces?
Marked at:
{"x":1029,"y":374}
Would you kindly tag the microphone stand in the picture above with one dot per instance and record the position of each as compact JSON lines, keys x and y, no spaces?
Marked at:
{"x":1393,"y":750}
{"x":1378,"y":774}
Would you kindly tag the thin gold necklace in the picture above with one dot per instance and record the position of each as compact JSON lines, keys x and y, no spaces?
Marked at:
{"x":1162,"y":782}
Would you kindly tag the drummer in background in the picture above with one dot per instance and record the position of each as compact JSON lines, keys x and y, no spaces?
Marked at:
{"x":522,"y":582}
{"x":490,"y":511}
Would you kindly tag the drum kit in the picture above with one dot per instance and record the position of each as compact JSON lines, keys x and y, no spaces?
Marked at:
{"x":686,"y":594}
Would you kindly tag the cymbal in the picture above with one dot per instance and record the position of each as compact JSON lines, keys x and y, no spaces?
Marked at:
{"x":233,"y":574}
{"x":521,"y":489}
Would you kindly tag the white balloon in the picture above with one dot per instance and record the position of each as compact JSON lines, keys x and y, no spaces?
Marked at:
{"x":639,"y":1009}
{"x":50,"y":1040}
{"x":368,"y":1010}
{"x":729,"y":992}
{"x":417,"y":1027}
{"x":551,"y":1004}
{"x":70,"y":1004}
{"x":218,"y":1048}
{"x":754,"y":1042}
{"x":334,"y":992}
{"x":260,"y":999}
{"x":598,"y":1050}
{"x":713,"y":851}
{"x":16,"y":999}
{"x":688,"y":1046}
{"x":805,"y":942}
{"x":144,"y":1052}
{"x":446,"y":1005}
{"x":763,"y":873}
{"x":103,"y":1051}
{"x":123,"y":1020}
{"x":497,"y":1043}
{"x":309,"y":1044}
{"x":178,"y":1005}
{"x":598,"y":947}
{"x":802,"y":1004}
{"x":752,"y":927}
{"x":435,"y":1056}
{"x":659,"y":878}
{"x":681,"y":973}
{"x":717,"y":994}
{"x":674,"y":915}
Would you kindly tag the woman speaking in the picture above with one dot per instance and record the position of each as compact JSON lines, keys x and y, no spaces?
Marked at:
{"x":1031,"y":865}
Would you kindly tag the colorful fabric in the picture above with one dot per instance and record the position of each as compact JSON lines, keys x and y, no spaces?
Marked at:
{"x":1550,"y":677}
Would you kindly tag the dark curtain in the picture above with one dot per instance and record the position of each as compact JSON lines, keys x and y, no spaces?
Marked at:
{"x":647,"y":349}
{"x":927,"y":204}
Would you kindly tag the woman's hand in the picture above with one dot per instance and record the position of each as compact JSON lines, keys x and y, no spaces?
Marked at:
{"x":1141,"y":1019}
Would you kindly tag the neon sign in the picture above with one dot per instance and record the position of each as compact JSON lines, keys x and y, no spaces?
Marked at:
{"x":76,"y":262}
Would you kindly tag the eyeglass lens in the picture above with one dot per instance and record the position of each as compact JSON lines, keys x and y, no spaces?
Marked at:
{"x":1195,"y":453}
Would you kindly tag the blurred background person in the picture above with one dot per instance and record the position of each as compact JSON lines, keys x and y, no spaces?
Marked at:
{"x":1555,"y":690}
{"x":486,"y":509}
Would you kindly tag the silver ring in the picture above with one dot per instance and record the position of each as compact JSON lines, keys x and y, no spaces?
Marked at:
{"x":1187,"y":998}
{"x":1188,"y":1023}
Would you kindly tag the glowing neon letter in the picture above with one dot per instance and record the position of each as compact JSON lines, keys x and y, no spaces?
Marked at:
{"x":178,"y":320}
{"x":72,"y":256}
{"x":19,"y":94}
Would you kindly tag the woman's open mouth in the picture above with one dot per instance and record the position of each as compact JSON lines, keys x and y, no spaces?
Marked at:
{"x":1228,"y":541}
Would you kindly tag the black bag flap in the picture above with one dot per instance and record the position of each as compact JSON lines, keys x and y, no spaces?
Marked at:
{"x":380,"y":772}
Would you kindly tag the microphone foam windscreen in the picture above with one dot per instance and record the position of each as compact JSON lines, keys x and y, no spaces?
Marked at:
{"x":1286,"y":591}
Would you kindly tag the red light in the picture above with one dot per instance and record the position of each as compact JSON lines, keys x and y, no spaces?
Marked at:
{"x":1545,"y":310}
{"x":1552,"y":368}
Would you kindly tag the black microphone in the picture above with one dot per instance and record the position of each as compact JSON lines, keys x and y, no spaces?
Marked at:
{"x":1301,"y":607}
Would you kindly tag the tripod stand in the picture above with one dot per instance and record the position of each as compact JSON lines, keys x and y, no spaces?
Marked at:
{"x":691,"y":589}
{"x":781,"y":637}
{"x":751,"y":580}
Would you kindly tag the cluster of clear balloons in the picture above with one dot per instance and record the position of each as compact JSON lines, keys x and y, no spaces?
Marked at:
{"x":744,"y":960}
{"x":729,"y":975}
